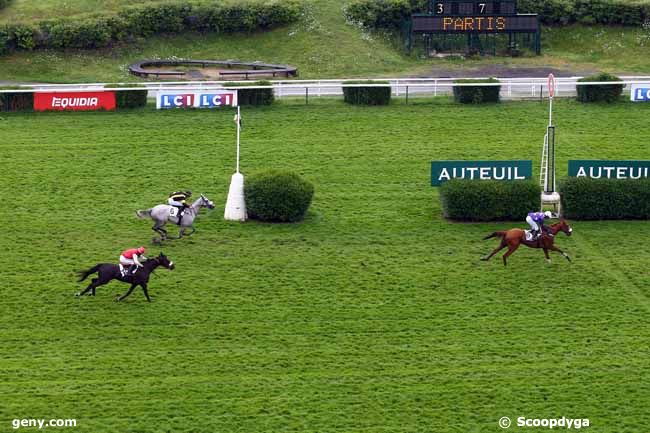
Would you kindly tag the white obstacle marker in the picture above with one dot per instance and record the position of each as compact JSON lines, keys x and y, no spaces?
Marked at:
{"x":236,"y":202}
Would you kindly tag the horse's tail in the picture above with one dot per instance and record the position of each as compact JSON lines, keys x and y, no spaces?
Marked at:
{"x":84,"y":274}
{"x":143,"y":213}
{"x":500,"y":234}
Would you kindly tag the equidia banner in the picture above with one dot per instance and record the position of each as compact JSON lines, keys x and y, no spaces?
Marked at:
{"x":205,"y":99}
{"x":442,"y":171}
{"x":74,"y":101}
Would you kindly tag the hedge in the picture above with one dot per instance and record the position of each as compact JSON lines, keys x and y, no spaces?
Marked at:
{"x":4,"y":3}
{"x":278,"y":196}
{"x":129,"y":98}
{"x":477,"y":94}
{"x":600,"y":199}
{"x":253,"y":97}
{"x":145,"y":21}
{"x":489,"y":200}
{"x":600,"y":92}
{"x":16,"y":101}
{"x":367,"y":95}
{"x":391,"y":14}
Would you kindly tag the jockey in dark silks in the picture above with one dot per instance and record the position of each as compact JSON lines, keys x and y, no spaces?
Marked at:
{"x":178,"y":200}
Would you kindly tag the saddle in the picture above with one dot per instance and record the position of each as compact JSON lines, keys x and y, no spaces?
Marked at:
{"x":126,"y":272}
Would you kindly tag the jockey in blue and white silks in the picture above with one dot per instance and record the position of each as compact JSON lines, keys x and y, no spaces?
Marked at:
{"x":536,"y":222}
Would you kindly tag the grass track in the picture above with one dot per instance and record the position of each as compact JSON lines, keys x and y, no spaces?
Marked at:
{"x":373,"y":315}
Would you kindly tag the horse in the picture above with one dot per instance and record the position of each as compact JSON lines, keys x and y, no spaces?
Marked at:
{"x":162,"y":214}
{"x":515,"y":237}
{"x":109,"y":271}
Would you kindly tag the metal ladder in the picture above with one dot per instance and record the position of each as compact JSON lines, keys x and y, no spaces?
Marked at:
{"x":543,"y":173}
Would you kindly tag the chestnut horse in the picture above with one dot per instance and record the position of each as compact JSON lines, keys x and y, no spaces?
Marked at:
{"x":515,"y":237}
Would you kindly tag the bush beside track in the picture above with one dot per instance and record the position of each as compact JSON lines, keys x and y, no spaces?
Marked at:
{"x":602,"y":199}
{"x":370,"y":95}
{"x":600,"y":92}
{"x":253,"y":97}
{"x":140,"y":22}
{"x":472,"y":200}
{"x":477,"y":94}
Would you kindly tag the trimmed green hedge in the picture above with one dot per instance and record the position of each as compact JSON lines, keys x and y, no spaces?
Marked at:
{"x":129,"y":98}
{"x":278,"y":196}
{"x":253,"y":97}
{"x":16,"y":101}
{"x":489,"y":200}
{"x":367,"y":95}
{"x":601,"y":92}
{"x":144,"y":21}
{"x":600,"y":199}
{"x":477,"y":94}
{"x":391,"y":14}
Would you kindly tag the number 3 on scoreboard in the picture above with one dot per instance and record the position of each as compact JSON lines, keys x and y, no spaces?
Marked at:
{"x":440,"y":8}
{"x":481,"y":7}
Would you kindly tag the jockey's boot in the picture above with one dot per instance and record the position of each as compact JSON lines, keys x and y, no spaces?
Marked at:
{"x":535,"y":234}
{"x":132,"y":269}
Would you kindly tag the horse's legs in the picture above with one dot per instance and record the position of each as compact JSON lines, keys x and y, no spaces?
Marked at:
{"x":511,"y":249}
{"x":121,"y":298}
{"x":192,"y":232}
{"x":496,"y":250}
{"x":548,"y":259}
{"x":146,"y":293}
{"x":94,"y":283}
{"x":554,"y":248}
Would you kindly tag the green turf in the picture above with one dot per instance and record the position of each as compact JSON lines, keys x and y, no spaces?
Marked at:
{"x":373,"y":315}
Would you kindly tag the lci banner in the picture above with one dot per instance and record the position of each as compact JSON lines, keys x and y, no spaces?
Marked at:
{"x":74,"y":101}
{"x":609,"y":169}
{"x":207,"y":99}
{"x":442,"y":171}
{"x":640,"y":92}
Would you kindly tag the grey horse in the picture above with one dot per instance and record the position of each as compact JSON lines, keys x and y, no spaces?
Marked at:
{"x":164,"y":213}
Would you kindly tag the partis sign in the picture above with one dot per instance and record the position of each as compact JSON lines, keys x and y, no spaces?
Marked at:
{"x":443,"y":171}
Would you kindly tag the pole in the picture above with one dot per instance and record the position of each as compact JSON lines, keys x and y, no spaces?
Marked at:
{"x":238,"y":134}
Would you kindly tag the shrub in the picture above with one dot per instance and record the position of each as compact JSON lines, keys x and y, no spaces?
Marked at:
{"x":16,"y":101}
{"x":382,"y":14}
{"x":489,"y":200}
{"x":145,"y":21}
{"x":129,"y":98}
{"x":254,"y":97}
{"x":476,"y":94}
{"x":278,"y":196}
{"x":600,"y":92}
{"x":4,"y":3}
{"x":598,"y":199}
{"x":367,"y":95}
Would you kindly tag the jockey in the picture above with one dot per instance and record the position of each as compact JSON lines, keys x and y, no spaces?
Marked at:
{"x":177,"y":199}
{"x":132,"y":259}
{"x":536,"y":222}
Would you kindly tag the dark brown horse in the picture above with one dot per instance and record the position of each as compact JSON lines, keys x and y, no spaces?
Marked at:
{"x":108,"y":271}
{"x":515,"y":237}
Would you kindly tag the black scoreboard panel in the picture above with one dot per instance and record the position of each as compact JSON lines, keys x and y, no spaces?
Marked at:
{"x":475,"y":7}
{"x":475,"y":23}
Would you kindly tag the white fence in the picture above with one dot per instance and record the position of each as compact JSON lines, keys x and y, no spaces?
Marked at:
{"x":511,"y":88}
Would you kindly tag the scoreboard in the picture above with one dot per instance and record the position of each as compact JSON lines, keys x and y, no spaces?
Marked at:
{"x":473,"y":8}
{"x":462,"y":16}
